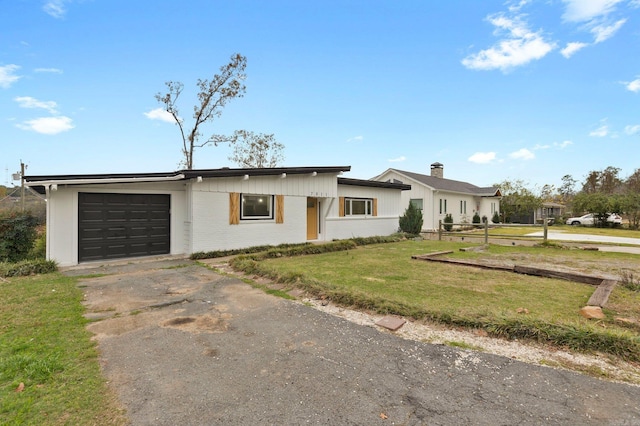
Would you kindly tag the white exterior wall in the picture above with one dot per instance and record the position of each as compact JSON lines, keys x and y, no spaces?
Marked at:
{"x":431,"y":202}
{"x":212,"y":230}
{"x":430,"y":212}
{"x":210,"y":210}
{"x":62,"y":216}
{"x":385,"y":223}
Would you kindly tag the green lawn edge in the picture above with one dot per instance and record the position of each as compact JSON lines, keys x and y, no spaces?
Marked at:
{"x":621,"y":343}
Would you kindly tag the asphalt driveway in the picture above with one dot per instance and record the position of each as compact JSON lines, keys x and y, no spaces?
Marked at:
{"x":184,"y":345}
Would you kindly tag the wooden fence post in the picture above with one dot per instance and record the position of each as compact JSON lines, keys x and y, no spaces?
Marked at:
{"x":486,"y":232}
{"x":440,"y":230}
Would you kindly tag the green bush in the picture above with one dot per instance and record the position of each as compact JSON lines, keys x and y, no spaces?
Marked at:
{"x":27,"y":267}
{"x":411,"y":221}
{"x":448,"y":220}
{"x":495,"y":218}
{"x":17,"y":235}
{"x":476,"y":219}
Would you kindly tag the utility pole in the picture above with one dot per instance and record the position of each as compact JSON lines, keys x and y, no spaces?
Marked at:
{"x":22,"y":185}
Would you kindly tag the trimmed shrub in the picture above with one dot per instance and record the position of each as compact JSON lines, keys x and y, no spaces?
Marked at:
{"x":411,"y":221}
{"x":495,"y":218}
{"x":448,"y":220}
{"x":27,"y":267}
{"x":17,"y":235}
{"x":476,"y":219}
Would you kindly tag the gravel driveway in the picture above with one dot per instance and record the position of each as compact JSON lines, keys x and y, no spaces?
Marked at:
{"x":184,"y":345}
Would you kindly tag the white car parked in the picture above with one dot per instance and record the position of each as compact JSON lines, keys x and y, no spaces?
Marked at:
{"x":588,"y":219}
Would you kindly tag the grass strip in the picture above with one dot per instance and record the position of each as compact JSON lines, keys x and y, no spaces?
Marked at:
{"x":49,"y":371}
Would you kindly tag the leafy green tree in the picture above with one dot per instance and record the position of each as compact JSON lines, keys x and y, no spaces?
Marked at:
{"x":517,"y":200}
{"x":606,"y":181}
{"x":411,"y":221}
{"x":213,"y":96}
{"x":17,"y":235}
{"x":598,"y":203}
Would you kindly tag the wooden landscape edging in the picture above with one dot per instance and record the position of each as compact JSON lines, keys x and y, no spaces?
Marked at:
{"x":598,"y":298}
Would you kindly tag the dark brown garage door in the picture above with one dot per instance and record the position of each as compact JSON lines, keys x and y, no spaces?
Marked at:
{"x":113,"y":226}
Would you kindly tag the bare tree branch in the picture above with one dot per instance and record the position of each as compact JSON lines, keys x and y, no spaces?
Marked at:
{"x":256,"y":150}
{"x":213,"y":97}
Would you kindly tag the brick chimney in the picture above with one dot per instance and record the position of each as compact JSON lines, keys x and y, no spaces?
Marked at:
{"x":437,"y":170}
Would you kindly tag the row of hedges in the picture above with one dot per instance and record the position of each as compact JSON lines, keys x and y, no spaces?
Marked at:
{"x":298,"y":249}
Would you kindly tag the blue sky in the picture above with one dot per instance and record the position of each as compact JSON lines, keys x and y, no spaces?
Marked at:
{"x":494,"y":90}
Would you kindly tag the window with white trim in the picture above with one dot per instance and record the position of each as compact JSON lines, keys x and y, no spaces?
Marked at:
{"x":463,"y":207}
{"x":256,"y":207}
{"x":417,"y":203}
{"x":443,"y":206}
{"x":358,"y":206}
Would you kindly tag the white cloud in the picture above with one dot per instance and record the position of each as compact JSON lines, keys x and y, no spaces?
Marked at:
{"x":160,"y":114}
{"x":397,"y":160}
{"x":518,"y":47}
{"x":600,"y":132}
{"x":522,"y":154}
{"x":8,"y":76}
{"x":634,"y":85}
{"x":586,"y":10}
{"x":48,"y":125}
{"x":538,"y":147}
{"x":55,"y":8}
{"x":51,"y":70}
{"x":604,"y":32}
{"x":482,"y":157}
{"x":572,"y":48}
{"x":563,"y":144}
{"x":356,"y":139}
{"x":29,"y":102}
{"x":632,"y":130}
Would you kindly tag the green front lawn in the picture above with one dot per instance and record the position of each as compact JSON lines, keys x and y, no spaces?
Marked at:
{"x":385,"y":279}
{"x":49,"y":371}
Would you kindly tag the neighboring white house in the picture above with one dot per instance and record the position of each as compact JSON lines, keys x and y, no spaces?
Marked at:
{"x":114,"y":216}
{"x":437,"y":196}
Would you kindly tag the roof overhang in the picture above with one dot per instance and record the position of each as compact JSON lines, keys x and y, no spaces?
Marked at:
{"x":373,"y":184}
{"x":44,"y":182}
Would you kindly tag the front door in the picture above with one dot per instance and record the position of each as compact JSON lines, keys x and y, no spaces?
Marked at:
{"x":312,"y":218}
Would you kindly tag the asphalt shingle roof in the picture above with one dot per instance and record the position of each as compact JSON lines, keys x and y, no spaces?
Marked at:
{"x":450,"y":185}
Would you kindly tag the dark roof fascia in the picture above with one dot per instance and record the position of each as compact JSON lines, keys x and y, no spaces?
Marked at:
{"x":41,"y":178}
{"x":190,"y":174}
{"x":271,"y":171}
{"x":373,"y":184}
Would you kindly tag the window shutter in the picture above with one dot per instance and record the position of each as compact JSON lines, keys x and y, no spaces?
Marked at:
{"x":375,"y":207}
{"x":341,"y":206}
{"x":279,"y":208}
{"x":234,"y":208}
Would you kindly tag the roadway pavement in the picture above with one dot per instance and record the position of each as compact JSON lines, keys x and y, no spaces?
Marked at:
{"x":594,"y":240}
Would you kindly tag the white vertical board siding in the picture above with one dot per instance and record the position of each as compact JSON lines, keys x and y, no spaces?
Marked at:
{"x":385,"y":223}
{"x":322,"y":185}
{"x":430,"y":204}
{"x":62,"y":225}
{"x":212,"y":230}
